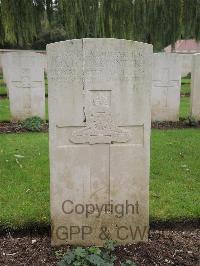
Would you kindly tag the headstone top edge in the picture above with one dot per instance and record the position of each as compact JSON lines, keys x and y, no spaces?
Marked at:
{"x":165,"y":54}
{"x":96,"y":39}
{"x":20,"y":53}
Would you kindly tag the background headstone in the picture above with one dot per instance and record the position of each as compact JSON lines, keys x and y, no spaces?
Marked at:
{"x":195,"y":87}
{"x":5,"y":68}
{"x":186,"y":63}
{"x":25,"y":75}
{"x":165,"y":97}
{"x":99,"y":118}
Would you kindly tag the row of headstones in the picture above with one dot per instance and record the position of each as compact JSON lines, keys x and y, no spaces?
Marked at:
{"x":24,"y":75}
{"x":99,"y":133}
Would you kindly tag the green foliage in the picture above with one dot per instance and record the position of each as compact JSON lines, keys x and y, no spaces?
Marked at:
{"x":33,"y":123}
{"x":20,"y":21}
{"x":48,"y":36}
{"x":91,"y":256}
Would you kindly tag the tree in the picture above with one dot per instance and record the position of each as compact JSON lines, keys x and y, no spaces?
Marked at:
{"x":20,"y":21}
{"x":160,"y":22}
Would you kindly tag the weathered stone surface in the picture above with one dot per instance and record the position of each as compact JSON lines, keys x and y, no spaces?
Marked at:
{"x":195,"y":87}
{"x":25,"y":80}
{"x":5,"y":68}
{"x":165,"y":97}
{"x":186,"y":63}
{"x":99,"y":118}
{"x":4,"y":51}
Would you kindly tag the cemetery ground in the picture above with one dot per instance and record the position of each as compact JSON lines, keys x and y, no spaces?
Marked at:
{"x":174,"y":196}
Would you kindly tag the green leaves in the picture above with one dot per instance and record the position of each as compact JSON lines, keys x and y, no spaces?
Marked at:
{"x":92,"y":256}
{"x":33,"y":124}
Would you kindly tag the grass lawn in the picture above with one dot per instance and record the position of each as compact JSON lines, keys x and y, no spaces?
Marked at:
{"x":184,"y":110}
{"x":185,"y":85}
{"x":4,"y":109}
{"x":2,"y":85}
{"x":24,"y":188}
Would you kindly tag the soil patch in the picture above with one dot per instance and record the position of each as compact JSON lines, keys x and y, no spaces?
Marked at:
{"x":165,"y":247}
{"x":16,"y":127}
{"x":186,"y":94}
{"x":170,"y":124}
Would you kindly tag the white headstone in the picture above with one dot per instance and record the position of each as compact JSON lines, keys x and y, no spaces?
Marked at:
{"x":25,"y":75}
{"x":5,"y":68}
{"x":165,"y":97}
{"x":186,"y":63}
{"x":195,"y":87}
{"x":99,"y":115}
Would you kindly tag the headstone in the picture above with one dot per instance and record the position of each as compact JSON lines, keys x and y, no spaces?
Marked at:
{"x":165,"y":97}
{"x":195,"y":87}
{"x":186,"y":64}
{"x":25,"y":75}
{"x":5,"y":68}
{"x":99,"y":115}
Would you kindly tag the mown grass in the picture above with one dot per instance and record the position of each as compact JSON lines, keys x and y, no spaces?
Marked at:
{"x":175,"y":174}
{"x":4,"y":109}
{"x":184,"y":111}
{"x":24,"y":188}
{"x":185,"y":85}
{"x":3,"y":89}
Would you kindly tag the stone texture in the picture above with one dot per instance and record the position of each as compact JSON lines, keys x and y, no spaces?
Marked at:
{"x":165,"y":97}
{"x":4,"y":51}
{"x":195,"y":87}
{"x":25,"y":81}
{"x":99,"y":128}
{"x":186,"y":63}
{"x":5,"y":68}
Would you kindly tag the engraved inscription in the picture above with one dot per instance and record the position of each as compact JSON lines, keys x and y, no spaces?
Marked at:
{"x":100,"y":128}
{"x":166,"y":84}
{"x":165,"y":80}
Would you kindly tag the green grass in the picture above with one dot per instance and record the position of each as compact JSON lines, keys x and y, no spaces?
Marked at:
{"x":184,"y":107}
{"x":185,"y":88}
{"x":5,"y":109}
{"x":185,"y":80}
{"x":185,"y":85}
{"x":3,"y":89}
{"x":24,"y":188}
{"x":175,"y":174}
